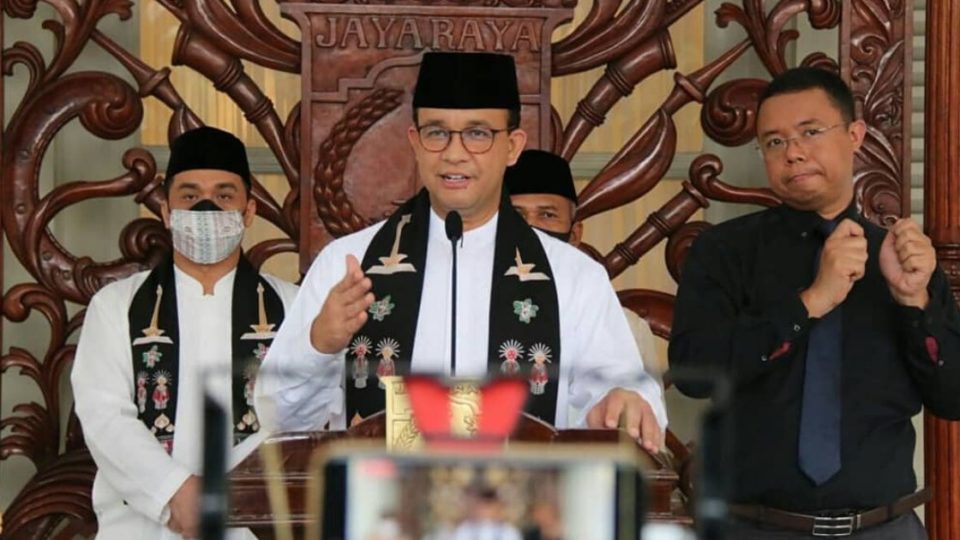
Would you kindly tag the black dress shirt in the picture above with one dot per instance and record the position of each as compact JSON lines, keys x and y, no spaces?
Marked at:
{"x":738,"y":310}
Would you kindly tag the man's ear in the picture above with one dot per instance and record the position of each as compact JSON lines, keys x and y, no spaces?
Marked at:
{"x":165,"y":211}
{"x":250,"y":212}
{"x":413,"y":136}
{"x":518,"y":141}
{"x":576,"y":233}
{"x":857,"y":132}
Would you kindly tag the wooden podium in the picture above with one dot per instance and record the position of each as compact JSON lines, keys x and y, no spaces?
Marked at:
{"x":292,"y":454}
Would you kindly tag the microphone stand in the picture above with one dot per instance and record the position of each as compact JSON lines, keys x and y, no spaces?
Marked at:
{"x":454,"y":228}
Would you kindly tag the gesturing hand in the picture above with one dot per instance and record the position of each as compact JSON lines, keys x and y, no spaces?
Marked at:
{"x":907,"y":260}
{"x":344,"y":311}
{"x":843,"y":261}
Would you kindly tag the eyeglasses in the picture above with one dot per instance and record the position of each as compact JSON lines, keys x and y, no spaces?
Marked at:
{"x":476,"y":140}
{"x":777,"y":146}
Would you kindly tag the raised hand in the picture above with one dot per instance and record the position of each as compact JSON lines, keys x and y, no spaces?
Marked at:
{"x":842,"y":262}
{"x":344,"y":311}
{"x":907,"y":260}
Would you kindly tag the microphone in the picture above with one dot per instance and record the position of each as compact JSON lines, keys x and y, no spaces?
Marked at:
{"x":454,"y":227}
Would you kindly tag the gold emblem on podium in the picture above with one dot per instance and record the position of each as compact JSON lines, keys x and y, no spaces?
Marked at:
{"x":402,"y":432}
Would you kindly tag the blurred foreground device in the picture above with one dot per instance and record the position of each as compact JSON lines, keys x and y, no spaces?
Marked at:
{"x":715,"y":459}
{"x":526,"y":492}
{"x":213,"y":496}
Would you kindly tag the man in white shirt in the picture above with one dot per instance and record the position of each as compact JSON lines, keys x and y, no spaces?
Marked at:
{"x":542,"y":190}
{"x":154,"y":342}
{"x":527,"y":305}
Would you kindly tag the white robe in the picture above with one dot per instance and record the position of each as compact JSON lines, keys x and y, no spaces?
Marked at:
{"x":135,"y":476}
{"x":300,"y":389}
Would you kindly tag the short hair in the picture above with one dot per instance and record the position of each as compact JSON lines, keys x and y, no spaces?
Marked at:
{"x":810,"y":78}
{"x":513,"y":118}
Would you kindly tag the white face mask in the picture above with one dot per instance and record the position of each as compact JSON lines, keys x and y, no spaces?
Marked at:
{"x":206,"y":237}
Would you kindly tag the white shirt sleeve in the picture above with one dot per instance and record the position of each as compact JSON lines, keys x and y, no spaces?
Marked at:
{"x":127,"y":454}
{"x":299,"y":388}
{"x":605,"y":355}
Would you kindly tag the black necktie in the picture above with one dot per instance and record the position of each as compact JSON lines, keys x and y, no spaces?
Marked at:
{"x":819,"y":450}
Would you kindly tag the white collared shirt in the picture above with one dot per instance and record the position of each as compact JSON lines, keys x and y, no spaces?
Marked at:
{"x":300,"y":388}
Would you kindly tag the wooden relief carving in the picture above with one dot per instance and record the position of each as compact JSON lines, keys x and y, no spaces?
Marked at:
{"x":356,"y":97}
{"x":345,"y":156}
{"x":878,"y":67}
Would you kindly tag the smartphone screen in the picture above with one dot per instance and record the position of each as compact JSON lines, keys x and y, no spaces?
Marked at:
{"x":420,"y":497}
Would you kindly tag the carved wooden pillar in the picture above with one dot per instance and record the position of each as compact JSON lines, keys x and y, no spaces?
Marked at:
{"x":942,"y":223}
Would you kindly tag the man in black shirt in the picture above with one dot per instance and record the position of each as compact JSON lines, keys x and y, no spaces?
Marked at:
{"x":833,"y":331}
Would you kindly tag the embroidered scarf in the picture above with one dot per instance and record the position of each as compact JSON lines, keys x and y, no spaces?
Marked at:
{"x":257,"y":312}
{"x":524,"y":312}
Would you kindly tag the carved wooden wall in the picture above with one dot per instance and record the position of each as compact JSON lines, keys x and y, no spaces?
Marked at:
{"x":346,"y":166}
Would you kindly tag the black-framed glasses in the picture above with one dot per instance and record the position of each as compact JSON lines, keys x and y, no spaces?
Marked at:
{"x":476,"y":139}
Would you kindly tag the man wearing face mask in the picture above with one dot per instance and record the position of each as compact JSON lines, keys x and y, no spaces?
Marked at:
{"x":542,"y":191}
{"x":153,"y":343}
